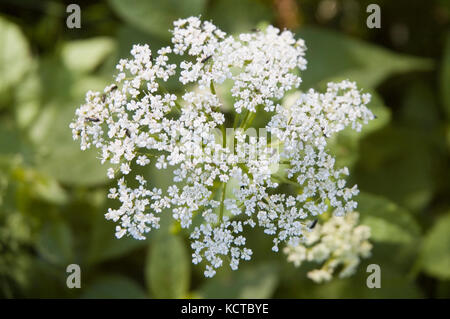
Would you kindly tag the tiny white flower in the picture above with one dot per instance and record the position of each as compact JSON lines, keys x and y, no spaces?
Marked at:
{"x":110,"y":173}
{"x":125,"y":168}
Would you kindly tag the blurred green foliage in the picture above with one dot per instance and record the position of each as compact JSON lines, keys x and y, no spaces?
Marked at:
{"x":53,"y":196}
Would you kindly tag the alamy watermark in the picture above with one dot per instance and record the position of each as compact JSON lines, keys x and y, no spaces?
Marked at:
{"x":374,"y":19}
{"x":374,"y":279}
{"x":74,"y":18}
{"x":74,"y":279}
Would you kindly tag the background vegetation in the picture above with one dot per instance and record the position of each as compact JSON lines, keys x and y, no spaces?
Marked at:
{"x":53,"y":196}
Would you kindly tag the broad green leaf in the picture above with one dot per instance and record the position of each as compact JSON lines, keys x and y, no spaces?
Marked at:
{"x":333,"y":56}
{"x":40,"y":186}
{"x":398,"y":163}
{"x":389,"y":223}
{"x":156,"y":17}
{"x":55,"y":243}
{"x":445,"y":76}
{"x":419,"y":110}
{"x":85,"y":83}
{"x":15,"y":59}
{"x":345,"y":146}
{"x":61,"y":157}
{"x":85,"y":55}
{"x":56,"y":80}
{"x":235,"y":16}
{"x":256,"y":281}
{"x":10,"y":139}
{"x":104,"y":245}
{"x":435,"y":255}
{"x":113,"y":287}
{"x":27,"y":98}
{"x":128,"y":35}
{"x":168,"y":267}
{"x":58,"y":154}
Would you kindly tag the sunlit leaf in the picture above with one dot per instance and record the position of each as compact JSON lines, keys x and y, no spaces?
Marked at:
{"x":58,"y":154}
{"x":436,"y":249}
{"x":168,"y":267}
{"x":27,"y":98}
{"x":40,"y":186}
{"x":15,"y":57}
{"x":86,"y":55}
{"x":388,"y":222}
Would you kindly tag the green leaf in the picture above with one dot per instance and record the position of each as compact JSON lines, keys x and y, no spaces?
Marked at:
{"x":168,"y":267}
{"x":104,"y":245}
{"x":400,"y":164}
{"x":332,"y":57}
{"x":59,"y":155}
{"x":156,"y":17}
{"x":380,"y":110}
{"x":389,"y":223}
{"x":85,"y":55}
{"x":41,"y":186}
{"x":445,"y":76}
{"x":257,"y":281}
{"x":10,"y":139}
{"x":27,"y":98}
{"x":55,"y":243}
{"x":419,"y":110}
{"x":128,"y":35}
{"x":15,"y":59}
{"x":436,"y":249}
{"x":345,"y":146}
{"x":114,"y":287}
{"x":235,"y":16}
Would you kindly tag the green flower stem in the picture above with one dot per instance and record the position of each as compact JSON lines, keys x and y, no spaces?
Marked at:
{"x":244,"y":120}
{"x":212,"y":88}
{"x":224,"y":191}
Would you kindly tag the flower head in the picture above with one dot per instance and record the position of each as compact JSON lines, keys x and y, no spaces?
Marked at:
{"x":227,"y":177}
{"x":340,"y":241}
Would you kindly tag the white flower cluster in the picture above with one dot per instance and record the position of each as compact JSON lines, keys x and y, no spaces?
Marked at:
{"x":229,"y":180}
{"x":339,"y":242}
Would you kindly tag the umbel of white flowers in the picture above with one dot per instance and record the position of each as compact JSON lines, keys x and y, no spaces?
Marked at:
{"x":136,"y":121}
{"x":337,"y":243}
